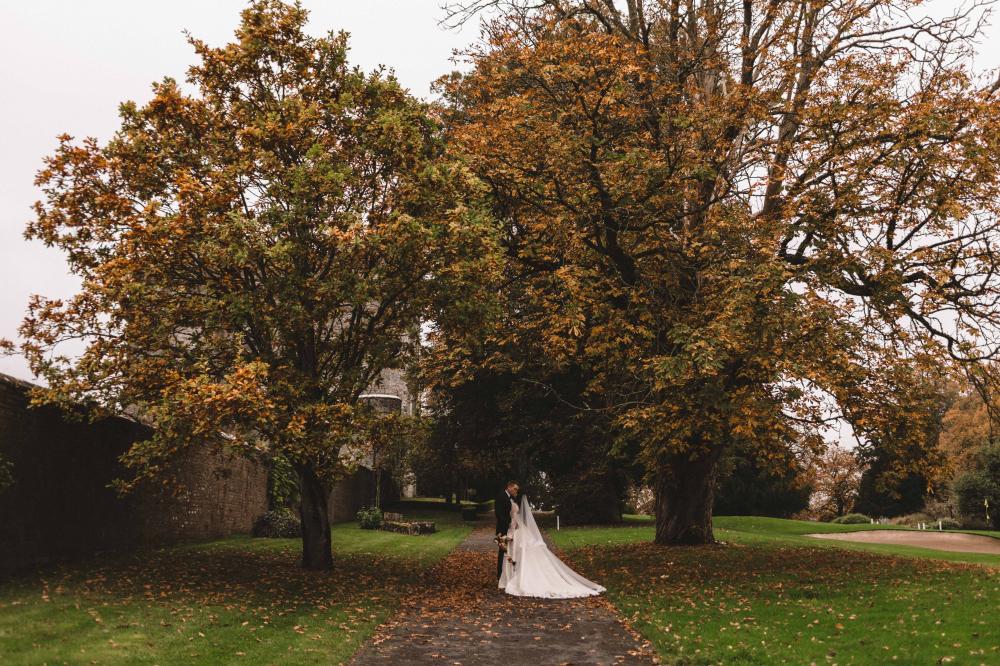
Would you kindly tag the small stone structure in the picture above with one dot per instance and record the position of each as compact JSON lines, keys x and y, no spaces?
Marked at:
{"x":350,"y":494}
{"x":392,"y":384}
{"x":357,"y":491}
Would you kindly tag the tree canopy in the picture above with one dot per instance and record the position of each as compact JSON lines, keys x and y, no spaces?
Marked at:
{"x":656,"y":234}
{"x":733,"y":214}
{"x":254,"y":249}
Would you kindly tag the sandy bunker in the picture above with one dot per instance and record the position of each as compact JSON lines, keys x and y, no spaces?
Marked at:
{"x":951,"y":541}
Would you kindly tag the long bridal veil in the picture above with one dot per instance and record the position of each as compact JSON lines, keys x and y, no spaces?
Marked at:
{"x":537,"y":572}
{"x":532,"y":536}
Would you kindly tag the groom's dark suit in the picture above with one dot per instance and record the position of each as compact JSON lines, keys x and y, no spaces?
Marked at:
{"x":501,"y":507}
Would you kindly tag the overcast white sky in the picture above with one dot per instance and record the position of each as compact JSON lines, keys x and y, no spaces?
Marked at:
{"x":66,"y":64}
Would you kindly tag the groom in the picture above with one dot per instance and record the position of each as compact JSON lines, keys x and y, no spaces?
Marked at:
{"x":501,"y":507}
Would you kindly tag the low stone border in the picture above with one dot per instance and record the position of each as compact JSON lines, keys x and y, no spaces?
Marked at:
{"x":412,"y":528}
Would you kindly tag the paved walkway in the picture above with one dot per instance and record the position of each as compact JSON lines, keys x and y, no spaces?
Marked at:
{"x":465,"y":619}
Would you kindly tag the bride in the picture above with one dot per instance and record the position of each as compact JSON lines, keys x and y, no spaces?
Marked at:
{"x":530,"y":569}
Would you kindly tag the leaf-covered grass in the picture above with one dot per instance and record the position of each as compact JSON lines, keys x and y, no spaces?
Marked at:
{"x":236,"y":600}
{"x":773,"y":595}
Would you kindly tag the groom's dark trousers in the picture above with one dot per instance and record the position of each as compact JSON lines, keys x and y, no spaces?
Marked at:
{"x":501,"y":507}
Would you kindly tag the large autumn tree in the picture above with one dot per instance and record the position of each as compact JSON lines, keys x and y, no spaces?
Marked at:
{"x":253,"y":250}
{"x":742,"y":217}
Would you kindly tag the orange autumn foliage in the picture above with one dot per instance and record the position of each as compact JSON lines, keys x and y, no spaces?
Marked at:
{"x":726,"y":211}
{"x":252,"y":254}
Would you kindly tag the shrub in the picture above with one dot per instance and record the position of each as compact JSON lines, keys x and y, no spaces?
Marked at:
{"x":950,"y":524}
{"x":974,"y":523}
{"x":370,"y":518}
{"x":852,"y":519}
{"x":913,"y":519}
{"x":941,"y":508}
{"x":277,"y":524}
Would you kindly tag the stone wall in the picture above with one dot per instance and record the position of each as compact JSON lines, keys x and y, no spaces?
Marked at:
{"x":350,"y":494}
{"x":221,"y":495}
{"x":389,"y":392}
{"x":356,"y":491}
{"x":60,"y":505}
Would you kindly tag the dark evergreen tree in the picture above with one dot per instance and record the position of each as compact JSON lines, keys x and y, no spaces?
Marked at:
{"x":748,"y":488}
{"x":875,"y":499}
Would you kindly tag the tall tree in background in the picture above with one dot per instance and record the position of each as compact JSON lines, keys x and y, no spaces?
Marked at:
{"x":749,"y":488}
{"x":836,"y":475}
{"x":726,"y":209}
{"x":891,"y":488}
{"x":977,"y":489}
{"x":494,"y":425}
{"x":252,"y":255}
{"x":969,"y":443}
{"x":965,"y":428}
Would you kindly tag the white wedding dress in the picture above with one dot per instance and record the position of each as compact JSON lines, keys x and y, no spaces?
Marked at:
{"x":536,"y":571}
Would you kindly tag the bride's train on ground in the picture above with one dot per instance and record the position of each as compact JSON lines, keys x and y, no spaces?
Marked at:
{"x":532,"y":570}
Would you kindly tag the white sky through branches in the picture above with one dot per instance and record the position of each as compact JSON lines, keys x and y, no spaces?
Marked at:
{"x":66,"y":64}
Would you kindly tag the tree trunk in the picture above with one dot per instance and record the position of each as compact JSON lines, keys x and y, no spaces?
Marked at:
{"x":685,"y":490}
{"x":317,"y":553}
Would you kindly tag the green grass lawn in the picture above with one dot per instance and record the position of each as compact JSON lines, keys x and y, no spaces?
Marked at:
{"x":236,"y":600}
{"x":433,"y":503}
{"x":349,"y":540}
{"x":770,"y":595}
{"x":773,"y":595}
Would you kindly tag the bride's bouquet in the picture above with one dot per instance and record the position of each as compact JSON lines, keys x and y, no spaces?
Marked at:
{"x":504,"y":541}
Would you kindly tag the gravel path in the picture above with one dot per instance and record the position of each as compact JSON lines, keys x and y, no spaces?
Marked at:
{"x":464,"y":619}
{"x":949,"y":541}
